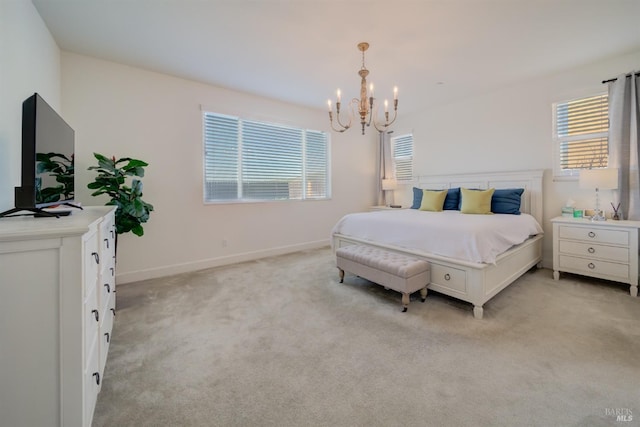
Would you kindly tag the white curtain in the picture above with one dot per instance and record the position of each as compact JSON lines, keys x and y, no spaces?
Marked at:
{"x":623,"y":141}
{"x":385,"y":165}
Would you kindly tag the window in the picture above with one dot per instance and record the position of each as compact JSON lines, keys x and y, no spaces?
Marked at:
{"x":248,"y":160}
{"x":581,"y":134}
{"x":402,"y":151}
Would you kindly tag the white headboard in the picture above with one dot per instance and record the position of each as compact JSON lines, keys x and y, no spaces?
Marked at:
{"x":530,"y":180}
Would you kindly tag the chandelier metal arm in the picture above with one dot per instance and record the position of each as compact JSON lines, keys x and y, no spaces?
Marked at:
{"x":343,"y":127}
{"x":387,"y":123}
{"x":333,"y":127}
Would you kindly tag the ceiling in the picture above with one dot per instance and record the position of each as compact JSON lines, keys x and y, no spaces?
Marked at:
{"x":301,"y":51}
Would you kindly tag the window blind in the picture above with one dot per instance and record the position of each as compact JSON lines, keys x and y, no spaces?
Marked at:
{"x":403,"y":157}
{"x":251,"y":160}
{"x":582,"y":133}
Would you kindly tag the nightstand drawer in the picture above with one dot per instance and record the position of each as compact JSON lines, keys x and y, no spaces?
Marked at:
{"x":592,"y":267}
{"x":611,"y":253}
{"x":616,"y":237}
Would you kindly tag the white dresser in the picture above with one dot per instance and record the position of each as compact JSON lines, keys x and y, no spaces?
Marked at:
{"x":604,"y":249}
{"x":57,"y":307}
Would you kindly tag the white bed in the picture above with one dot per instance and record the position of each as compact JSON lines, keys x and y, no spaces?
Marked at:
{"x":472,"y":281}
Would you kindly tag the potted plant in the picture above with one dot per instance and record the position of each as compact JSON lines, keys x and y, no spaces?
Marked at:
{"x":131,"y":210}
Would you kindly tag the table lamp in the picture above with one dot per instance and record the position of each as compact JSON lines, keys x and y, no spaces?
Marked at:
{"x":599,"y":179}
{"x":388,"y":184}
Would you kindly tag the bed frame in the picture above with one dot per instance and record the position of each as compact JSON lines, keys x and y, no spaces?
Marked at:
{"x":473,"y":282}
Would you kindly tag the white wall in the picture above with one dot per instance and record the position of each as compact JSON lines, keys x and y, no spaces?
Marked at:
{"x":128,"y":112}
{"x":507,"y":130}
{"x":29,"y":62}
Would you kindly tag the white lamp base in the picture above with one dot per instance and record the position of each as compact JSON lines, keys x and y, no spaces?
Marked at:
{"x":597,"y":213}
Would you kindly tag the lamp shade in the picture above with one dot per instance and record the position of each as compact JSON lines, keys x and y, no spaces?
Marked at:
{"x":601,"y":179}
{"x":389,"y":184}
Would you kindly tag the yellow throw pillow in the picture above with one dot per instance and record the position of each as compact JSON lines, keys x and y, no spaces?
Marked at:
{"x":433,"y":200}
{"x":476,"y":201}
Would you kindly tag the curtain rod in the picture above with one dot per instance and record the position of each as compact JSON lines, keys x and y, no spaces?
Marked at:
{"x":615,"y":78}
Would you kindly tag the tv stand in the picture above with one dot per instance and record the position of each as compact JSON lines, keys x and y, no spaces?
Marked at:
{"x":72,"y":205}
{"x":57,"y":214}
{"x":38,"y":212}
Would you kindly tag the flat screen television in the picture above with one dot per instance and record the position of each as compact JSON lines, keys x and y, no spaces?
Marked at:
{"x":48,"y":145}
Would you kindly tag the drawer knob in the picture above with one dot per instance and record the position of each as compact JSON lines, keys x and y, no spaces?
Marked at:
{"x":113,"y":310}
{"x":106,"y":334}
{"x":591,"y":250}
{"x":106,"y":285}
{"x":591,"y":265}
{"x":96,"y":257}
{"x":447,"y":276}
{"x":106,"y":241}
{"x":592,"y":234}
{"x":96,"y":315}
{"x":96,"y":375}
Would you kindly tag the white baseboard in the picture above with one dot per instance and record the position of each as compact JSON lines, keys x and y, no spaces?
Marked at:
{"x":153,"y":273}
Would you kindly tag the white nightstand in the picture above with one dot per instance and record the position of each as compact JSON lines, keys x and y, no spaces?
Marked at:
{"x":603,"y":249}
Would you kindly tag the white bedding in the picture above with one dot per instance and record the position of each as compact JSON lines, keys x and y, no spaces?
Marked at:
{"x":474,"y":238}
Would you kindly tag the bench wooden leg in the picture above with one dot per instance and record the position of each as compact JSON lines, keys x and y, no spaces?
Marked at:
{"x":405,"y":302}
{"x":423,"y":293}
{"x":341,"y":275}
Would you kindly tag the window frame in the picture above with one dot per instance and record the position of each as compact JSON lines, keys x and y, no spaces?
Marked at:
{"x":241,"y":159}
{"x":392,"y":140}
{"x":560,"y":174}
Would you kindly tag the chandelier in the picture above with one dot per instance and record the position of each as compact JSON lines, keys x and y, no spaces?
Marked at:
{"x":367,"y":105}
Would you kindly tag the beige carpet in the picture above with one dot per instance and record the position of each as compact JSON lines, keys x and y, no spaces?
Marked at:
{"x":279,"y":342}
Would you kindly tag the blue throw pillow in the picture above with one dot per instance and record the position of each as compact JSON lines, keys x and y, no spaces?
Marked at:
{"x":417,"y":198}
{"x":507,"y":201}
{"x":452,"y":201}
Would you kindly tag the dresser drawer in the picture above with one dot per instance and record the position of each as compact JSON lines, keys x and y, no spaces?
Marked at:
{"x":449,"y":277}
{"x":107,"y":245}
{"x":105,"y":338}
{"x":107,"y":291}
{"x":91,"y":319}
{"x":611,"y":253}
{"x":592,"y":234}
{"x":91,"y":263}
{"x":591,"y":267}
{"x":92,"y":384}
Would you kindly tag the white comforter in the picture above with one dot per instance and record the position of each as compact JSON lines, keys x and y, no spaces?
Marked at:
{"x":475,"y":238}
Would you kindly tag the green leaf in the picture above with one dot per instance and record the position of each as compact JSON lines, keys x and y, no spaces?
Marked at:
{"x":138,"y":230}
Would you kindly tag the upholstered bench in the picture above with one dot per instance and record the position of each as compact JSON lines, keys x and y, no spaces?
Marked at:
{"x":395,"y":271}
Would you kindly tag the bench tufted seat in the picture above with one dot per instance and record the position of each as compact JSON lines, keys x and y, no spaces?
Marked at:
{"x":392,"y":270}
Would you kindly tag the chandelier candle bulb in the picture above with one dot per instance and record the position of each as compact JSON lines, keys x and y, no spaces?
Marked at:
{"x":371,"y":90}
{"x":386,"y":106}
{"x":395,"y":93}
{"x":338,"y":95}
{"x":329,"y":105}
